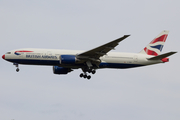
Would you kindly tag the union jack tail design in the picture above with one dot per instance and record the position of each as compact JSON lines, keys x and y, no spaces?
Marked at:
{"x":155,"y":46}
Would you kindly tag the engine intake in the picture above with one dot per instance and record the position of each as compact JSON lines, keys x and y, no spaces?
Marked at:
{"x":60,"y":70}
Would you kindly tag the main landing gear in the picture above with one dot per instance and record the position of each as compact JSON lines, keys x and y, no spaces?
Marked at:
{"x":17,"y":69}
{"x":84,"y":75}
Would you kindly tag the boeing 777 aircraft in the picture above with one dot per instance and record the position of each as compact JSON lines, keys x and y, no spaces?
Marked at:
{"x":65,"y":61}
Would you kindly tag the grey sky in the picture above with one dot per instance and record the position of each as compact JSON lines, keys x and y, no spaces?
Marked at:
{"x":35,"y":93}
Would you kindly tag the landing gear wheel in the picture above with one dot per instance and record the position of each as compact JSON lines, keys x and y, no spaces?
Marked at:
{"x":93,"y":72}
{"x":81,"y":75}
{"x":88,"y":77}
{"x":17,"y":70}
{"x":85,"y":76}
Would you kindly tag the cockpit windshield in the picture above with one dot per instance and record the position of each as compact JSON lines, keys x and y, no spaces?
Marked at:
{"x":8,"y":53}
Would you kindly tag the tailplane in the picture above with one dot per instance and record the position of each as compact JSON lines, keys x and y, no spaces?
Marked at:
{"x":159,"y":57}
{"x":155,"y":46}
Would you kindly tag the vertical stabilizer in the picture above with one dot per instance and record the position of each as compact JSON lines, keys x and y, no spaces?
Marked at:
{"x":155,"y":46}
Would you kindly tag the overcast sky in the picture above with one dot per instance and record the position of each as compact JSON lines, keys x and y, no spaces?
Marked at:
{"x":35,"y":93}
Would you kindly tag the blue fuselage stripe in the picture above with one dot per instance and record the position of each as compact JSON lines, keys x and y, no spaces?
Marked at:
{"x":118,"y":65}
{"x":57,"y":62}
{"x":34,"y":62}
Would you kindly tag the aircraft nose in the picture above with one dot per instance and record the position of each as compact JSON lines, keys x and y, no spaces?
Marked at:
{"x":3,"y":56}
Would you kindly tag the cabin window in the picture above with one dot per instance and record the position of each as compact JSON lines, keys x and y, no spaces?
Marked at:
{"x":8,"y":53}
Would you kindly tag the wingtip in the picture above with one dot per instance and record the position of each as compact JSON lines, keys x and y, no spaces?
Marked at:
{"x":175,"y":52}
{"x":126,"y":35}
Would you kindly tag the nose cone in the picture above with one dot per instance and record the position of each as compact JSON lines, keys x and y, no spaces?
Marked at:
{"x":3,"y":56}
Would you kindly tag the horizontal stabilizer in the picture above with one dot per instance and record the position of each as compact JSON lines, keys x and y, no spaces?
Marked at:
{"x":159,"y":57}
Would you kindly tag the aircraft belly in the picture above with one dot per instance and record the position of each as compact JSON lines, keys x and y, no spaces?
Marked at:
{"x":118,"y":65}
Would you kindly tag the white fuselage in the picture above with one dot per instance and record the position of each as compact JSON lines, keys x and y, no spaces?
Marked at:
{"x":64,"y":61}
{"x":31,"y":56}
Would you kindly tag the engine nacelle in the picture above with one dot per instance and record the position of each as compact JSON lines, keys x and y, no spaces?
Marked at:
{"x":60,"y":70}
{"x":67,"y":59}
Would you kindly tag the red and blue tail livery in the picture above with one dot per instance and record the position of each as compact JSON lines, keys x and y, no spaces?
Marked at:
{"x":155,"y":46}
{"x":65,"y":61}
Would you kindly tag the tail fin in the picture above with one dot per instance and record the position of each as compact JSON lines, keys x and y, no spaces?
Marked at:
{"x":155,"y":46}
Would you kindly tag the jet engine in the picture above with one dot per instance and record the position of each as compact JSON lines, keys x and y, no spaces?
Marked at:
{"x":60,"y":70}
{"x":67,"y":59}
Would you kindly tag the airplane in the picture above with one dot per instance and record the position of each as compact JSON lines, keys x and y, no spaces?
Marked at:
{"x":65,"y":61}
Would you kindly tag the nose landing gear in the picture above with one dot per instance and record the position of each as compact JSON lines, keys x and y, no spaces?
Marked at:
{"x":17,"y":69}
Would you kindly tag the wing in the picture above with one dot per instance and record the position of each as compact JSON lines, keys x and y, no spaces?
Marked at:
{"x":102,"y":50}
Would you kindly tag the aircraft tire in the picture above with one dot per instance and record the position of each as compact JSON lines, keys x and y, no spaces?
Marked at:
{"x":81,"y":75}
{"x":17,"y":70}
{"x":93,"y":72}
{"x":88,"y":77}
{"x":85,"y":76}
